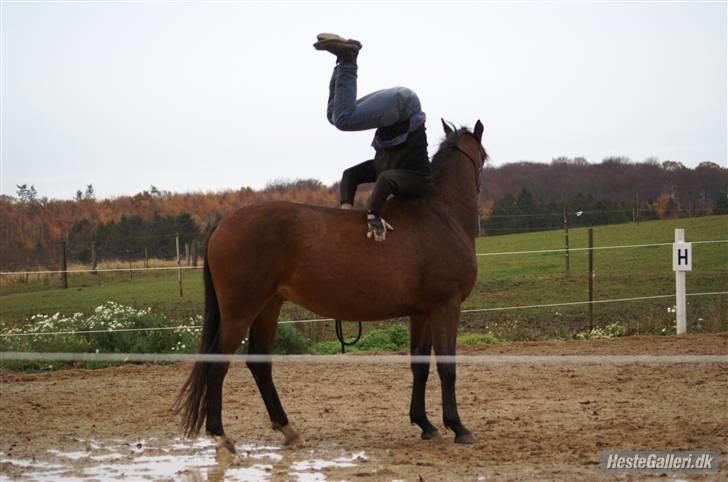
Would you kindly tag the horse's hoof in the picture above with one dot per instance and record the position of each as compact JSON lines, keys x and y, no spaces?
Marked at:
{"x":465,"y":438}
{"x":224,"y":445}
{"x":436,"y":435}
{"x":292,"y":439}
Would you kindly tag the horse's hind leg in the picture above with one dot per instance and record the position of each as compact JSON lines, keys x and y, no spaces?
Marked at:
{"x":213,"y":423}
{"x":421,"y":346}
{"x":233,"y":328}
{"x":261,"y":340}
{"x":216,"y":376}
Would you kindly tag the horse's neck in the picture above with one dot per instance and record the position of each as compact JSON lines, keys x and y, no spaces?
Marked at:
{"x":456,"y":191}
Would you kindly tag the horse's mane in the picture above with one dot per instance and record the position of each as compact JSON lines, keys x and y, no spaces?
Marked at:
{"x":447,"y":145}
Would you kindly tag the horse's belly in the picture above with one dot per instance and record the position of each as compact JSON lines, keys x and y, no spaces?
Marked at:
{"x":350,"y":299}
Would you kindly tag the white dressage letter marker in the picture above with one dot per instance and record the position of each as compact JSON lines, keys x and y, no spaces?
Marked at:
{"x":682,"y":256}
{"x":682,"y":261}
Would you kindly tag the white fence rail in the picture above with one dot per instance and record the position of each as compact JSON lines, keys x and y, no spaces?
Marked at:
{"x":367,"y":359}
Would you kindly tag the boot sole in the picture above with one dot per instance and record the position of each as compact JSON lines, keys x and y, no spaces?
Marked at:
{"x":332,"y":37}
{"x":335,"y":45}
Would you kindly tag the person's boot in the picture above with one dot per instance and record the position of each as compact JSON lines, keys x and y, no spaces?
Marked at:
{"x":332,"y":37}
{"x":346,"y":50}
{"x":347,"y":56}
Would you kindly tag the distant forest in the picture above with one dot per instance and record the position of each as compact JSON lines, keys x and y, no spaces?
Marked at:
{"x":516,"y":197}
{"x":528,"y":196}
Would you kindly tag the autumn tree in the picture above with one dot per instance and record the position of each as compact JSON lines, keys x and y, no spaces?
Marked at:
{"x":27,"y":195}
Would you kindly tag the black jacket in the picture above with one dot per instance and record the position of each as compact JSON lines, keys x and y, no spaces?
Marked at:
{"x":411,"y":155}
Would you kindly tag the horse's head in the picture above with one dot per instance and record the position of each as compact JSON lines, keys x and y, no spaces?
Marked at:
{"x":468,"y":143}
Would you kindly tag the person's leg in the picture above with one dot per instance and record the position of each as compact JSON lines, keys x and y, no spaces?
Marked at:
{"x":332,"y":96}
{"x":397,"y":182}
{"x":352,"y":177}
{"x":378,"y":109}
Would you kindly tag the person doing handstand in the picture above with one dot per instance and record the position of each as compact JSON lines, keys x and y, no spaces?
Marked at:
{"x":401,"y":166}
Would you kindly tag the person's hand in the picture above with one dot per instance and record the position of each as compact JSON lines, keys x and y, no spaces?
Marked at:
{"x":377,"y":227}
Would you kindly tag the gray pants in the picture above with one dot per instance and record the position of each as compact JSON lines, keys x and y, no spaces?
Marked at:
{"x":378,"y":109}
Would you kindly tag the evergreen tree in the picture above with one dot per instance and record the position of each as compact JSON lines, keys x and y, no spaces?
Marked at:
{"x":721,"y":204}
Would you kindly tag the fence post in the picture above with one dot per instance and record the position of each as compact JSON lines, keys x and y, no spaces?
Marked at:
{"x":64,"y":266}
{"x":94,"y":264}
{"x":179,"y":265}
{"x":681,"y":262}
{"x":566,"y":240}
{"x":591,"y":279}
{"x":146,"y":257}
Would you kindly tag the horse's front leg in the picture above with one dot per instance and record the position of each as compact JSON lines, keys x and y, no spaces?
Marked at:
{"x":421,"y":346}
{"x":444,"y":326}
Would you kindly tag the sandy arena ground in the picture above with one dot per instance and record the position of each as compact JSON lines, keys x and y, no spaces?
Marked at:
{"x":541,"y":422}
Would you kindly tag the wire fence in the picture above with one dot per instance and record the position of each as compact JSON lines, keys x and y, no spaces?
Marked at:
{"x":500,"y":253}
{"x":169,"y":237}
{"x":196,"y":327}
{"x":582,"y":212}
{"x":317,"y":320}
{"x":595,"y":248}
{"x":100,"y":270}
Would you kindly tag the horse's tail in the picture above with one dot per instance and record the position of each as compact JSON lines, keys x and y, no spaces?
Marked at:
{"x":192,"y":399}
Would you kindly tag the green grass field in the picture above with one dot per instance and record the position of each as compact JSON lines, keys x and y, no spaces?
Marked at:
{"x":503,"y":281}
{"x":541,"y":278}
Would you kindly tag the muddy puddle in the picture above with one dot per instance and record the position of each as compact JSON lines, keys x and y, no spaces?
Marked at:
{"x":185,"y":460}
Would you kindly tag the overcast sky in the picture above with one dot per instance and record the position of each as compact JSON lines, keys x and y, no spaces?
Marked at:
{"x":198,"y":97}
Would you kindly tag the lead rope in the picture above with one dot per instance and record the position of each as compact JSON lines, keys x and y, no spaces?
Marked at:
{"x":340,"y":336}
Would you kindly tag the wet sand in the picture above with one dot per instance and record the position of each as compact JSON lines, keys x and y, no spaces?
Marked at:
{"x":531,"y":421}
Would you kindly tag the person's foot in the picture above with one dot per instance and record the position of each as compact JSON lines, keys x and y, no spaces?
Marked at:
{"x":346,"y":50}
{"x":377,"y":227}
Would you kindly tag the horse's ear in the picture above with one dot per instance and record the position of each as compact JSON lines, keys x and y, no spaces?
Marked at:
{"x":448,"y":130}
{"x":478,"y":131}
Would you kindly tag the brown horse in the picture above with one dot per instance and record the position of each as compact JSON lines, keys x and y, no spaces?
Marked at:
{"x":320,"y":258}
